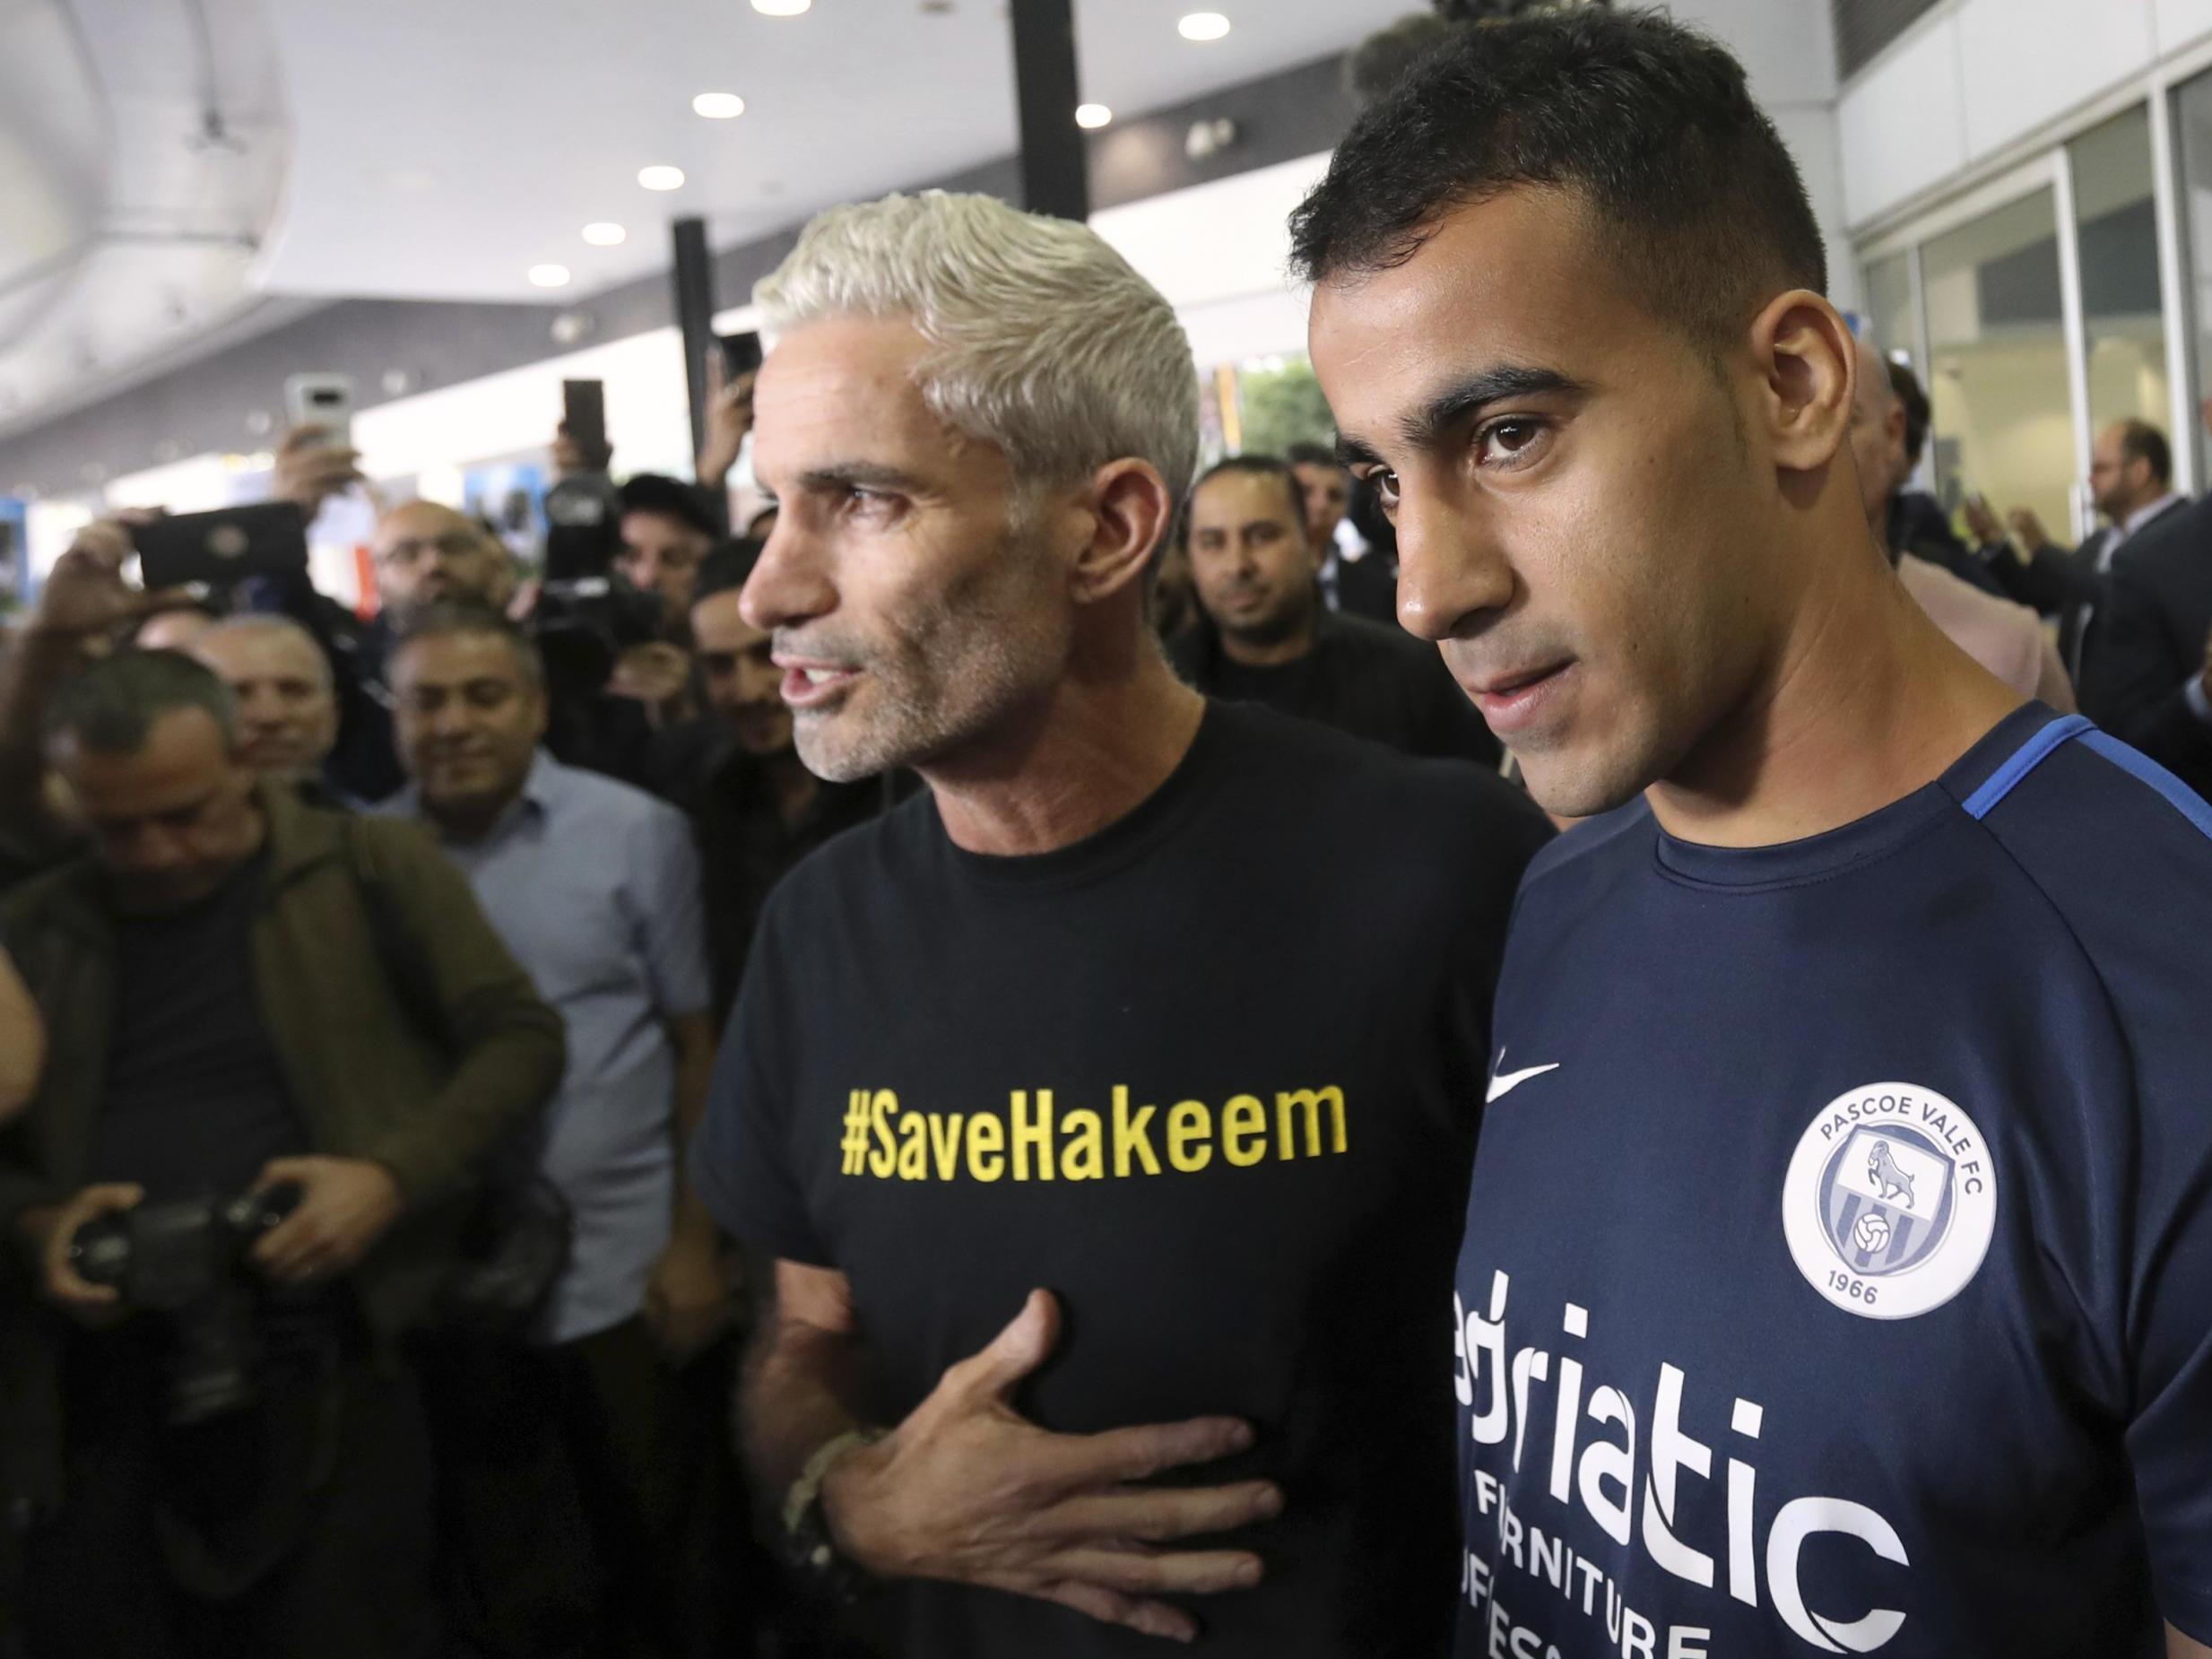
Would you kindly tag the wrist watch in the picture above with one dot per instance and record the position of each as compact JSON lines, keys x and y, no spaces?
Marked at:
{"x":810,"y":1552}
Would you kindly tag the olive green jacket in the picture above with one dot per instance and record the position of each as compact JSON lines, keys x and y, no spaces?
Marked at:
{"x":404,"y":1031}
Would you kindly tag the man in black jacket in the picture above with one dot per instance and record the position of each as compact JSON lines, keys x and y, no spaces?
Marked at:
{"x":2149,"y":680}
{"x":1263,"y":636}
{"x":2129,"y":472}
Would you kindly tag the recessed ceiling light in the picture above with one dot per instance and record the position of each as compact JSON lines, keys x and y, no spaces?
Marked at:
{"x":718,"y":105}
{"x":781,"y":8}
{"x":1092,"y":115}
{"x":605,"y":233}
{"x":660,"y":178}
{"x":548,"y":276}
{"x":1196,"y":26}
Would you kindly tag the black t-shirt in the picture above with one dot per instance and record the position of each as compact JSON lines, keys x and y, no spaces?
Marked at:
{"x":1206,"y":1078}
{"x":1361,"y":677}
{"x":195,"y":1101}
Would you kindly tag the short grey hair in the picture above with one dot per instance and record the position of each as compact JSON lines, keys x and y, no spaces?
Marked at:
{"x":112,"y":707}
{"x":263,"y":624}
{"x":471,"y":619}
{"x":1044,"y":342}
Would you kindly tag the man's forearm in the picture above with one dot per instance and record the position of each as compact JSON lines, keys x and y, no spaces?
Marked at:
{"x":803,"y":1387}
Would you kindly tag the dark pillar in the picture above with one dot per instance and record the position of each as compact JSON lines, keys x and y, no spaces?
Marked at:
{"x":695,"y":313}
{"x":1053,"y":176}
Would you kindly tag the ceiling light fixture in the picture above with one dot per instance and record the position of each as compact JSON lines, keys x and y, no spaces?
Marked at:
{"x":718,"y":105}
{"x":605,"y":233}
{"x":781,"y":8}
{"x":1203,"y":26}
{"x":1093,"y":116}
{"x":660,"y":178}
{"x":548,"y":276}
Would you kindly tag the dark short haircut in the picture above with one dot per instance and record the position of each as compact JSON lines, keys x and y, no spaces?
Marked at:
{"x":727,"y":567}
{"x":1314,"y":455}
{"x":1906,"y":385}
{"x":1260,"y":466}
{"x":452,"y":619}
{"x":112,"y":707}
{"x":2139,"y":440}
{"x":1650,"y":124}
{"x":655,"y":492}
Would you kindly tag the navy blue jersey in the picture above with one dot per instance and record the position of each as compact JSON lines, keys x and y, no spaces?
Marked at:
{"x":1838,"y":1267}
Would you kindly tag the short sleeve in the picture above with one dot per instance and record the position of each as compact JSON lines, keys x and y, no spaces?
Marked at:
{"x":672,"y":929}
{"x":742,"y":1159}
{"x":2168,"y":1339}
{"x":2145,"y":920}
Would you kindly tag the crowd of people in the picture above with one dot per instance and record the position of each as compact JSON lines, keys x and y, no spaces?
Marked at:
{"x":918,"y":1079}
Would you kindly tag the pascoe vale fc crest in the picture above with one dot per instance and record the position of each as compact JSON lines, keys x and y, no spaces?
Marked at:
{"x":1890,"y":1201}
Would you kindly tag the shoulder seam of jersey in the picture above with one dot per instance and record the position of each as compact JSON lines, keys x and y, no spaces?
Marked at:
{"x":2032,"y":753}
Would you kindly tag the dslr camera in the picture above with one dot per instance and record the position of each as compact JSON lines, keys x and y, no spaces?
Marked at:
{"x":185,"y":1261}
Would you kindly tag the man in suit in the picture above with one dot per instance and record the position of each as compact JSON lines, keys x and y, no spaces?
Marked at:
{"x":2131,"y":471}
{"x":2150,"y":664}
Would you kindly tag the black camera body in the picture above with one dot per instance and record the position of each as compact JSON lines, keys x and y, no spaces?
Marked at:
{"x":185,"y":1261}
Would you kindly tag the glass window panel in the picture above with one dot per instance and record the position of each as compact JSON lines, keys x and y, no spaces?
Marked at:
{"x":2117,"y":219}
{"x":1888,"y":284}
{"x":2192,"y":141}
{"x":2003,"y":419}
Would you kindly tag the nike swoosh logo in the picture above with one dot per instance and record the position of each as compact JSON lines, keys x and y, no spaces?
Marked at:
{"x":1500,"y":1087}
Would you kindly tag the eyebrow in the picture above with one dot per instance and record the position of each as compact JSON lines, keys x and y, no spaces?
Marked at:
{"x":845,"y":474}
{"x":1426,"y":426}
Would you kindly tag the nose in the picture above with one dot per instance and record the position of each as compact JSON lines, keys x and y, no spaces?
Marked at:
{"x":790,"y":583}
{"x":1453,"y":572}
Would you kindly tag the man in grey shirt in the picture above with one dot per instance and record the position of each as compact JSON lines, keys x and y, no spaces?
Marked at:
{"x":594,"y":888}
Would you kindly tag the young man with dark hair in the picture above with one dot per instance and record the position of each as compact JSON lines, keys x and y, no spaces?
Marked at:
{"x":735,"y":771}
{"x":1838,"y":1251}
{"x":1262,"y":635}
{"x":666,"y":528}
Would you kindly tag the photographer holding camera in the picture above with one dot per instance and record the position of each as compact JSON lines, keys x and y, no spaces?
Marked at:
{"x":284,"y":1041}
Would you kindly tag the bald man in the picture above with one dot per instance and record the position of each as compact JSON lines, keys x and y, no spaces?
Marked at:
{"x":2006,"y":638}
{"x":287,"y":698}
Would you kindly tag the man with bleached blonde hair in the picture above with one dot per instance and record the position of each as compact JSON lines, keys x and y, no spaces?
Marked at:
{"x":1102,"y":1121}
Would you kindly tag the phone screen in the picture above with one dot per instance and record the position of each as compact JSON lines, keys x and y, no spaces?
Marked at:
{"x":741,"y":355}
{"x":584,"y":414}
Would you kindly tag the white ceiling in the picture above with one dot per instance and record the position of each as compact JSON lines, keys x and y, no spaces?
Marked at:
{"x":422,"y":149}
{"x":131,"y":221}
{"x":442,"y":150}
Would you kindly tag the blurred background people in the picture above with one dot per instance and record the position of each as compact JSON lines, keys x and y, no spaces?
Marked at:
{"x":1355,"y":578}
{"x":571,"y":1472}
{"x":285,"y":693}
{"x":2147,"y":677}
{"x":2130,"y":476}
{"x":755,"y":807}
{"x":244,"y":1055}
{"x":1262,"y":635}
{"x":2004,"y":638}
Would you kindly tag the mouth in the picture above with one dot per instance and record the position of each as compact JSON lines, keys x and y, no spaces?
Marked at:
{"x":814,"y":685}
{"x":1516,"y":699}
